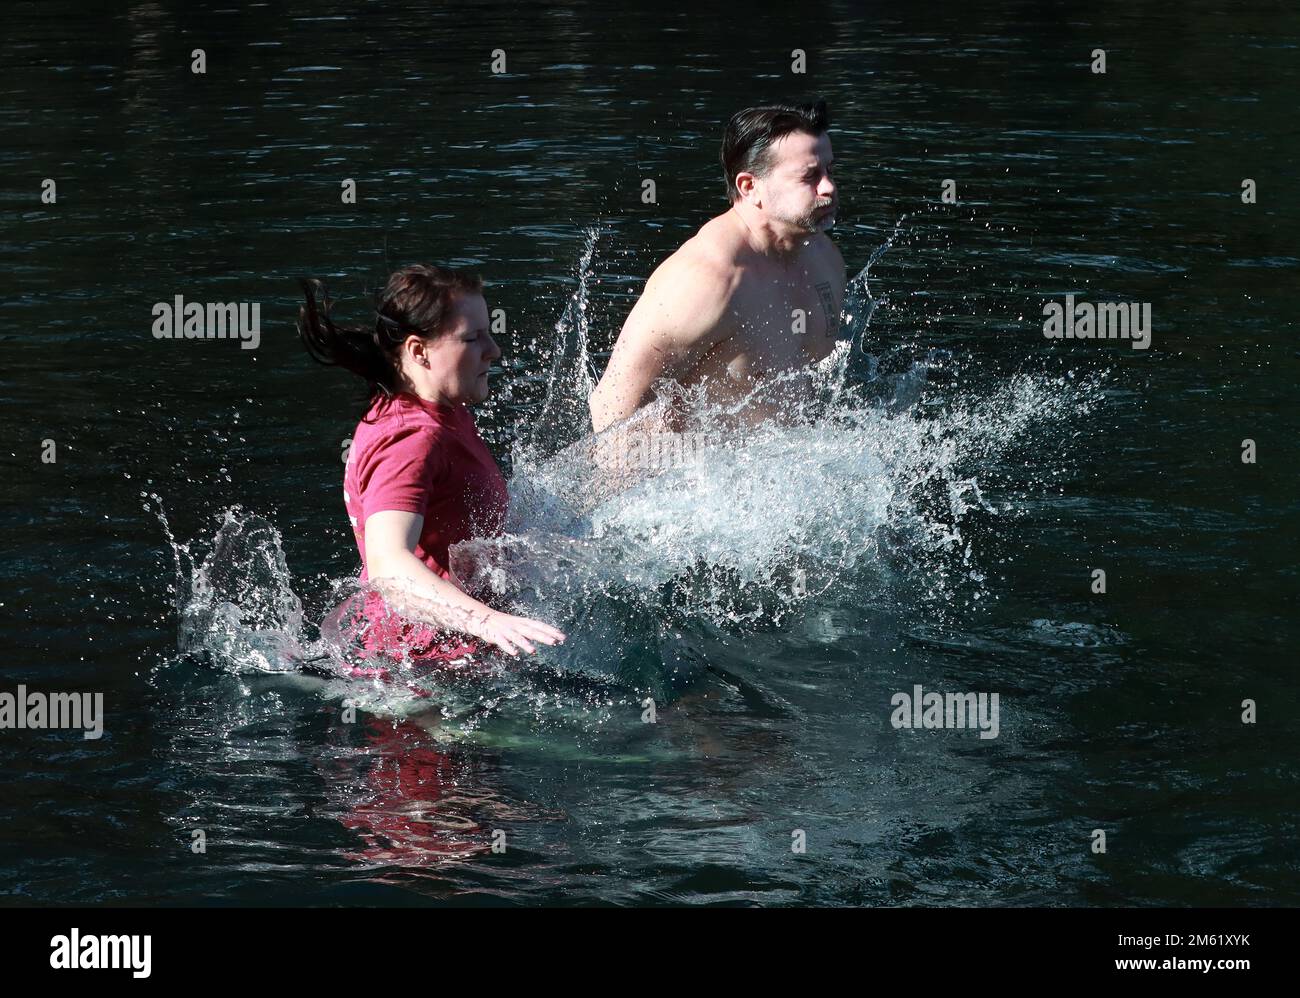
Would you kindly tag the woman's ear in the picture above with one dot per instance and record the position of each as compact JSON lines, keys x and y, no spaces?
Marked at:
{"x":415,"y":348}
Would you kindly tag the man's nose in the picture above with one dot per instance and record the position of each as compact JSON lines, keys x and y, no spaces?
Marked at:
{"x":494,"y":351}
{"x":826,"y":188}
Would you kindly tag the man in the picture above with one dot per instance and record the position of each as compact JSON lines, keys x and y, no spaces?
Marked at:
{"x":757,"y":291}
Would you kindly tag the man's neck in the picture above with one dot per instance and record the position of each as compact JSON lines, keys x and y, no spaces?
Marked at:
{"x":781,"y":245}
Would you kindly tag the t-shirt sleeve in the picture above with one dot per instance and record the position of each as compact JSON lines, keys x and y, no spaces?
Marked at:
{"x":401,"y":471}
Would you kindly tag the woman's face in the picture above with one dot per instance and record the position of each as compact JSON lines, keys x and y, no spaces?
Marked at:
{"x":458,"y":360}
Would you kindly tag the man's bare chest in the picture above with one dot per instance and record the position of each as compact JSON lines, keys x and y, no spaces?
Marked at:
{"x":784,"y":319}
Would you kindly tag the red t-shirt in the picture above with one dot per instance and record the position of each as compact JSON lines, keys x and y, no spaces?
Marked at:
{"x":421,"y":457}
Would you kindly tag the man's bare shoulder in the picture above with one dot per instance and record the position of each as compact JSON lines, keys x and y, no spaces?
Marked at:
{"x":721,"y":238}
{"x":708,"y":262}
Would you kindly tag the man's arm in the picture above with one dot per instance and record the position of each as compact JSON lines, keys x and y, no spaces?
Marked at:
{"x":679,"y":317}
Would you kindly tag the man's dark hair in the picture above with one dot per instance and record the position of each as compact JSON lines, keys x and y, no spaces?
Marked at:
{"x":751,"y":132}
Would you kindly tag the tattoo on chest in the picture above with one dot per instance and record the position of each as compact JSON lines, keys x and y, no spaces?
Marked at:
{"x":828,"y":306}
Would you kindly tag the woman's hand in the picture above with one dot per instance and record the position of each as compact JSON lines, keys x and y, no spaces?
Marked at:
{"x":511,"y":634}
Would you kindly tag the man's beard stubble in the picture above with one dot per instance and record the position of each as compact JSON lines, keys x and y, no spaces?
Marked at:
{"x":815,"y":221}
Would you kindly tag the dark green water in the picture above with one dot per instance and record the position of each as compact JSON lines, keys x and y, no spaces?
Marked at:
{"x":1119,"y":711}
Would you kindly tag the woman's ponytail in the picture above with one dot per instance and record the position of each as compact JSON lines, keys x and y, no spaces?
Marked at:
{"x":354,"y":348}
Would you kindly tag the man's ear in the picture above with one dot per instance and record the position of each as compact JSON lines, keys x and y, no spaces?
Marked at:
{"x":745,"y":186}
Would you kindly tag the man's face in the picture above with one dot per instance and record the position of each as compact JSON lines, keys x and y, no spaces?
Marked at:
{"x":798,"y":190}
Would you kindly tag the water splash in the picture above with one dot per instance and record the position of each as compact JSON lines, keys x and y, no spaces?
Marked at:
{"x":572,"y":378}
{"x":746,"y":527}
{"x":236,"y":602}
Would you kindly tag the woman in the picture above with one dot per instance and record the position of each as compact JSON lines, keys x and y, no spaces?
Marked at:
{"x":419,"y":478}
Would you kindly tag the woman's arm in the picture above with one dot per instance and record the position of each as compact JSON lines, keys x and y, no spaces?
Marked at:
{"x":414,"y":590}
